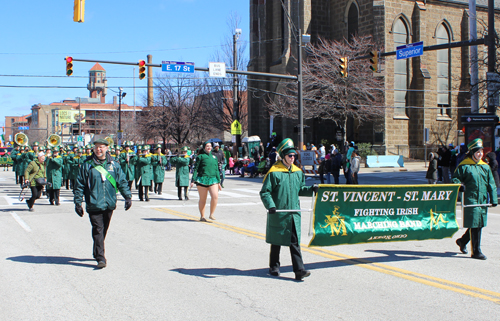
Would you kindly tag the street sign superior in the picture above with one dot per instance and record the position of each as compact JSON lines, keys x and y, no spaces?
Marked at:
{"x":410,"y":50}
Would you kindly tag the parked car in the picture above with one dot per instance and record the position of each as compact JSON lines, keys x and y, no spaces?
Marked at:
{"x":5,"y":150}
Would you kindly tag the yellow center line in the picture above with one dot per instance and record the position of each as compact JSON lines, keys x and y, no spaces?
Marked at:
{"x":363,"y":263}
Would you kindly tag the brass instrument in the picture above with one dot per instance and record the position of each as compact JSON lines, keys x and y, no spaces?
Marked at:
{"x":110,"y":141}
{"x":54,"y":140}
{"x":21,"y":139}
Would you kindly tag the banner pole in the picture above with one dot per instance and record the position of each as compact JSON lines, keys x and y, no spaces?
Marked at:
{"x":312,"y":216}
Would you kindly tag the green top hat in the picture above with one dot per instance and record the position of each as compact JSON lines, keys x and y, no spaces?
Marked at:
{"x":286,"y":147}
{"x":475,"y":145}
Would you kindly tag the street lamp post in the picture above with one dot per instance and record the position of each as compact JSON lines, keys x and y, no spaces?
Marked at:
{"x":121,"y":95}
{"x":236,"y":107}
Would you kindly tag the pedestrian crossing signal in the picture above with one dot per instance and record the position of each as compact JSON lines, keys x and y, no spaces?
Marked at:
{"x":344,"y":66}
{"x":69,"y":66}
{"x":142,"y":69}
{"x":374,"y":60}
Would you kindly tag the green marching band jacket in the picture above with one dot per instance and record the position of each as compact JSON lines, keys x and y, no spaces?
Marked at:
{"x":128,"y":168}
{"x":74,"y":166}
{"x":99,"y":192}
{"x":144,"y":170}
{"x":480,"y":188}
{"x":181,"y":170}
{"x":159,"y":161}
{"x":13,"y":155}
{"x":54,"y":171}
{"x":281,"y":189}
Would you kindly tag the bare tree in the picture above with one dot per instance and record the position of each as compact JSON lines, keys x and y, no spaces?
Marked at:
{"x":328,"y":95}
{"x":178,"y":111}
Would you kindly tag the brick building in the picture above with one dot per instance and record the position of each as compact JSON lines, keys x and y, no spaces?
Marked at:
{"x":12,"y":124}
{"x":97,"y":117}
{"x":422,"y":92}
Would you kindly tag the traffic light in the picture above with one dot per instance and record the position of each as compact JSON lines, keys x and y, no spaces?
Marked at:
{"x":69,"y":66}
{"x":142,"y":69}
{"x":374,"y":60}
{"x":343,"y":66}
{"x":78,"y":10}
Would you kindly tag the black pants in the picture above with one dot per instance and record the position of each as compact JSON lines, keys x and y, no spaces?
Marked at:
{"x":158,"y":188}
{"x":100,"y":223}
{"x":54,"y":196}
{"x":36,"y":193}
{"x":297,"y":263}
{"x":130,"y":185}
{"x":143,"y":192}
{"x":179,"y":191}
{"x":473,"y":235}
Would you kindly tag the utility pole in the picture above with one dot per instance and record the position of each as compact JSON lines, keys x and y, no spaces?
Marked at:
{"x":79,"y":116}
{"x":299,"y":88}
{"x":236,"y":109}
{"x":473,"y":58}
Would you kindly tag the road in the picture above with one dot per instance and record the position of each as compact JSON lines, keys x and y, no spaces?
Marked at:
{"x":163,"y":264}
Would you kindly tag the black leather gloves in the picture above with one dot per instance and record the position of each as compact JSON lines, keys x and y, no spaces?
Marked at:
{"x":462,"y":188}
{"x":79,"y":209}
{"x":128,"y":204}
{"x":315,"y":188}
{"x":272,"y":210}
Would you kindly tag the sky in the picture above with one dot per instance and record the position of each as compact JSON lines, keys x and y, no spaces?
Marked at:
{"x":38,"y":35}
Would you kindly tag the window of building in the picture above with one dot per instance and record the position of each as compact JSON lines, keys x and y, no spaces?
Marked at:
{"x":400,"y":33}
{"x":443,"y":73}
{"x":352,"y":21}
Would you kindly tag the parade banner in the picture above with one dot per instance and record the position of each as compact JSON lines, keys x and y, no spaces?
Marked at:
{"x":350,"y":214}
{"x":6,"y":161}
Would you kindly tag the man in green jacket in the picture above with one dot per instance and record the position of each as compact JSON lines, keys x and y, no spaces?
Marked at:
{"x":145,"y":174}
{"x":55,"y":165}
{"x":159,"y":161}
{"x":99,"y":179}
{"x":181,"y":163}
{"x":13,"y":156}
{"x":479,"y":187}
{"x":282,"y":186}
{"x":128,"y":160}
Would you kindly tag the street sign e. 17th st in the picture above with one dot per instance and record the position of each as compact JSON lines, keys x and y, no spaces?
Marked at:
{"x":177,"y":66}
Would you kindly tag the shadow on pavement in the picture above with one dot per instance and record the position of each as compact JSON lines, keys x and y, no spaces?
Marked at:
{"x":390,"y":256}
{"x":63,"y":260}
{"x":214,"y":272}
{"x":168,"y":220}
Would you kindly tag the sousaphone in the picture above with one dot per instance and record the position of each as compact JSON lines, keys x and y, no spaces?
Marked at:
{"x":21,"y":139}
{"x":54,"y":140}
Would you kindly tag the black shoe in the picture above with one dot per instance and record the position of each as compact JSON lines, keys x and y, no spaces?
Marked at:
{"x":222,"y":185}
{"x":57,"y":203}
{"x":302,"y":274}
{"x":141,"y":200}
{"x":159,"y":193}
{"x":479,"y":256}
{"x":180,"y":198}
{"x":186,"y":198}
{"x":463,"y":248}
{"x":101,"y":264}
{"x":274,"y":271}
{"x":147,"y":199}
{"x":51,"y":202}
